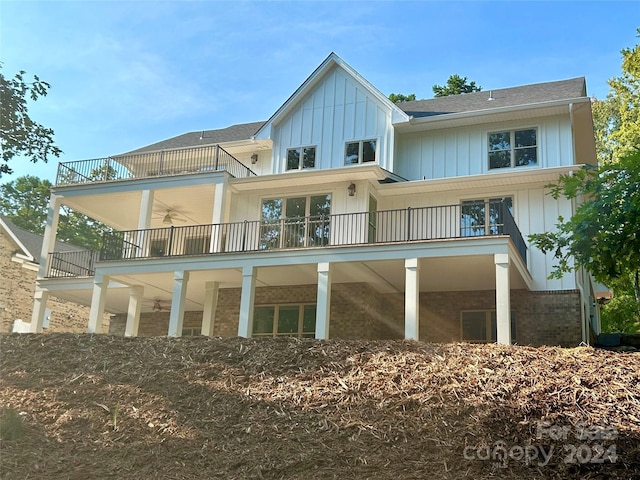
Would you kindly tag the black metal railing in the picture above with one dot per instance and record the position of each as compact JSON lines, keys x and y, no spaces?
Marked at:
{"x":79,"y":263}
{"x":389,"y":226}
{"x":157,"y":164}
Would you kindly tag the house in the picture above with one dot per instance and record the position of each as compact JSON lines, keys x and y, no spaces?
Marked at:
{"x":343,"y":215}
{"x":19,"y":258}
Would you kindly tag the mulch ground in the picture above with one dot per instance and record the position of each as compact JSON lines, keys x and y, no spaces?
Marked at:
{"x":82,"y":406}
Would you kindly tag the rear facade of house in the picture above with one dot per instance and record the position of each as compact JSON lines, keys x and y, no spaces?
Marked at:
{"x":342,"y":216}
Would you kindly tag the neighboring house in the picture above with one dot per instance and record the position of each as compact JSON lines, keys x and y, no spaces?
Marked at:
{"x":344,"y":215}
{"x":19,"y":259}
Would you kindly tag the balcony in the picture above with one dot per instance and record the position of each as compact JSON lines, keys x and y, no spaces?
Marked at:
{"x":146,"y":165}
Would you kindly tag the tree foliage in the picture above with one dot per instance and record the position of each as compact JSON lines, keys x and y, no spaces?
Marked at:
{"x":19,"y":134}
{"x":616,"y":119}
{"x":454,"y":86}
{"x":603,"y":235}
{"x":399,"y":97}
{"x":25,"y":201}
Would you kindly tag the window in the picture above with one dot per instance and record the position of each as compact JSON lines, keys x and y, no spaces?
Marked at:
{"x":191,"y":331}
{"x":284,"y":321}
{"x":484,"y":216}
{"x":196,"y":245}
{"x":301,"y":158}
{"x":515,"y":148}
{"x":360,"y":152}
{"x":158,"y":248}
{"x":295,"y":222}
{"x":481,"y":326}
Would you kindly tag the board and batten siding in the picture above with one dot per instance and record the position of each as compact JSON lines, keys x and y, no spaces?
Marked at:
{"x":337,"y":110}
{"x":463,"y":151}
{"x":534,"y":212}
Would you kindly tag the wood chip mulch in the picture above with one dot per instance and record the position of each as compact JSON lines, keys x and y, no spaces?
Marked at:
{"x":104,"y":407}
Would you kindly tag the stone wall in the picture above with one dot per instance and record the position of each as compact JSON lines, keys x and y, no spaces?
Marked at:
{"x":17,"y":286}
{"x":360,"y":312}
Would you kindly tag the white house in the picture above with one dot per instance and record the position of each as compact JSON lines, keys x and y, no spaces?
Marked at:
{"x":343,"y":215}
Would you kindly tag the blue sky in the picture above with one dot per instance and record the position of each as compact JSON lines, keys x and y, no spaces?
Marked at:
{"x":125,"y":74}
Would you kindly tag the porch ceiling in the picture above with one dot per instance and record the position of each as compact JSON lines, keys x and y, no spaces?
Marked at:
{"x":121,"y":209}
{"x":468,"y":273}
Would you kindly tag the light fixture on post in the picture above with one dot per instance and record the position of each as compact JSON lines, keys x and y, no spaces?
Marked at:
{"x":254,"y":158}
{"x":351,"y":189}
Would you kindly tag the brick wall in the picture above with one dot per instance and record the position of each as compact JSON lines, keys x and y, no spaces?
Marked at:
{"x":17,"y":286}
{"x":359,"y":311}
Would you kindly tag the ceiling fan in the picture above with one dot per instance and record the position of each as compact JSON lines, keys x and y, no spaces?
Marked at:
{"x":170,"y":216}
{"x":158,"y":306}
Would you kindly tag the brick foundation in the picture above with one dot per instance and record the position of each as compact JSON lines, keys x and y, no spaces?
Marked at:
{"x":359,"y":311}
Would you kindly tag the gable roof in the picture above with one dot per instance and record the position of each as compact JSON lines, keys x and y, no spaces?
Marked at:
{"x":233,"y":133}
{"x":397,"y":115}
{"x":30,"y":243}
{"x":504,"y":97}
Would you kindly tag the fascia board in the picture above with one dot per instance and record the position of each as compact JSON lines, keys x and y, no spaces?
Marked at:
{"x":16,"y":240}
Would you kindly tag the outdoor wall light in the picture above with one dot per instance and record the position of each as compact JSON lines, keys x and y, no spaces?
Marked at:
{"x":254,"y":158}
{"x":351,"y":189}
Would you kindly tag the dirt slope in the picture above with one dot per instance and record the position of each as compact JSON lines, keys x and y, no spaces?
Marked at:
{"x":80,"y":406}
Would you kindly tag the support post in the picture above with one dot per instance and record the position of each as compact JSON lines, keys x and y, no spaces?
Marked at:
{"x":210,"y":306}
{"x":503,"y":299}
{"x":144,"y":222}
{"x":176,"y":317}
{"x":50,"y":233}
{"x":133,"y":311}
{"x":412,"y":299}
{"x":40,"y":298}
{"x":323,"y":305}
{"x":245,"y":322}
{"x":98,"y":299}
{"x":217,"y":218}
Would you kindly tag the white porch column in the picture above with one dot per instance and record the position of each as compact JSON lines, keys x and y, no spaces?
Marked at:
{"x":412,"y":299}
{"x":219,"y":205}
{"x":96,"y":314}
{"x":503,"y":299}
{"x":39,"y":310}
{"x":50,"y":233}
{"x":210,"y":306}
{"x":323,"y":305}
{"x":133,"y":312}
{"x":144,"y":221}
{"x":245,"y":322}
{"x":176,"y":317}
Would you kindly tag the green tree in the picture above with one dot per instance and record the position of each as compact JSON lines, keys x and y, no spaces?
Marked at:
{"x":399,"y":97}
{"x":603,"y":234}
{"x":455,"y":85}
{"x":19,"y":134}
{"x":25,"y":200}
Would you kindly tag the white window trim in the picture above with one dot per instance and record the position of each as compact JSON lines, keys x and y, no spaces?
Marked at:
{"x":360,"y":149}
{"x":512,"y":131}
{"x":300,"y":168}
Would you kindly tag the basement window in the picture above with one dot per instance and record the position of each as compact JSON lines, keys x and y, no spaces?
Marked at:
{"x":481,"y":326}
{"x":285,"y":321}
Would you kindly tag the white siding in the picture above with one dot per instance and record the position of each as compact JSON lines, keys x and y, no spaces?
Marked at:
{"x":337,"y":110}
{"x":463,"y":151}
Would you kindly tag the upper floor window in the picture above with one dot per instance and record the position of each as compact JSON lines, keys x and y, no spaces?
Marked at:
{"x":515,"y":148}
{"x":301,"y":157}
{"x":360,"y":152}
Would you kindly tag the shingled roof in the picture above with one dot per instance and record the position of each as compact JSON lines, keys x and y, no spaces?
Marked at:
{"x":242,"y":131}
{"x":31,"y":243}
{"x":504,"y":97}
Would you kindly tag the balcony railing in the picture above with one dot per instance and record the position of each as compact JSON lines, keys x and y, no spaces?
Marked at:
{"x":389,"y":226}
{"x":79,"y":263}
{"x":145,"y":165}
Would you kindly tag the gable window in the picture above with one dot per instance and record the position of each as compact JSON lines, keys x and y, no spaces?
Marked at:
{"x":514,"y":148}
{"x":284,"y":321}
{"x":295,"y":222}
{"x":301,"y":158}
{"x":481,"y":326}
{"x":484,"y":216}
{"x":360,"y":152}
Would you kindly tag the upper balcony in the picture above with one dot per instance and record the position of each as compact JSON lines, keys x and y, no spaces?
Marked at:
{"x":424,"y":224}
{"x":195,"y":160}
